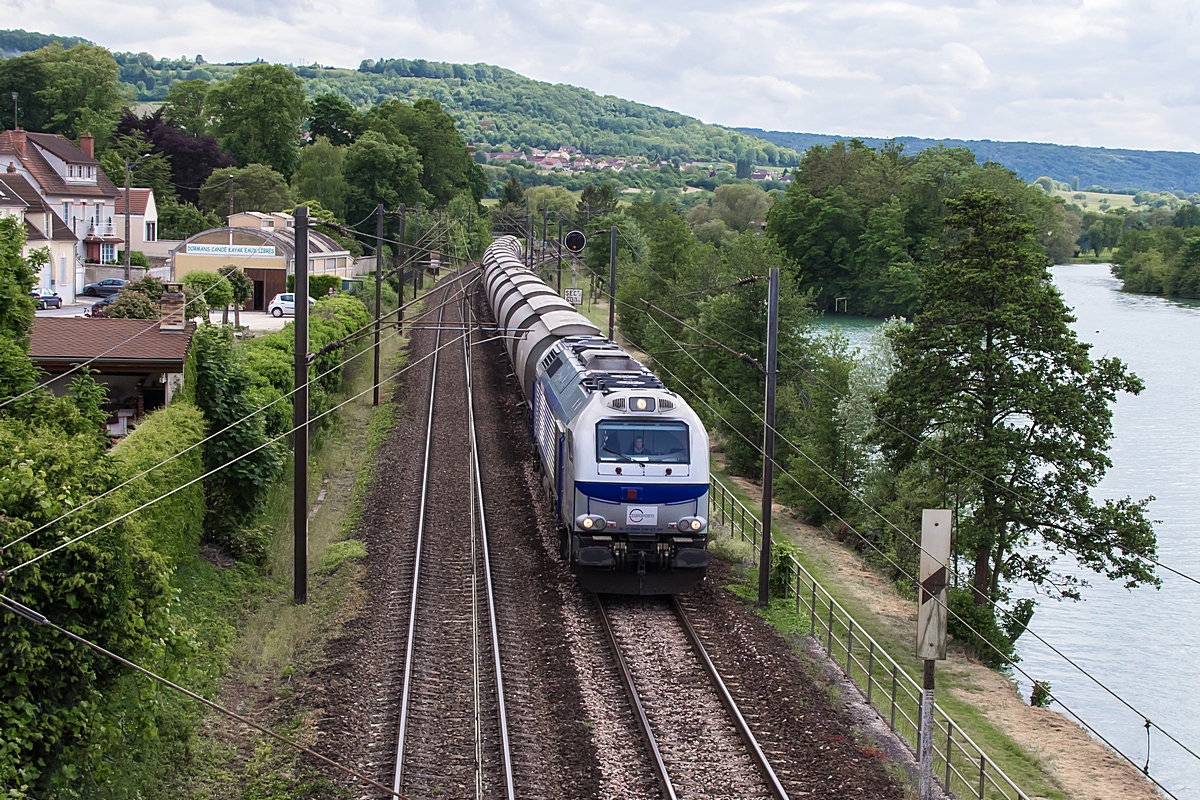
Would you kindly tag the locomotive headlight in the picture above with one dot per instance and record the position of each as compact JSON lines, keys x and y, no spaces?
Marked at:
{"x":591,"y":522}
{"x":697,"y":524}
{"x":641,"y":403}
{"x":691,"y":524}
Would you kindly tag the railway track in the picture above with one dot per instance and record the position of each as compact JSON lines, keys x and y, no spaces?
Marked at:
{"x":698,"y":740}
{"x":453,"y":731}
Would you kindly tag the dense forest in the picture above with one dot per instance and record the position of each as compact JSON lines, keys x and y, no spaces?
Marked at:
{"x":1081,"y":167}
{"x":1162,"y":259}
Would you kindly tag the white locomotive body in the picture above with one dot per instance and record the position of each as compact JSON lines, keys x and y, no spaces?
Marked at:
{"x":624,"y":460}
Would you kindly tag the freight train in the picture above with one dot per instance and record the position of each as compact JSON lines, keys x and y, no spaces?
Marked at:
{"x":624,"y":461}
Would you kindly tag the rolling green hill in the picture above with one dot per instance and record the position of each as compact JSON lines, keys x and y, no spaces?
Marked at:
{"x":1120,"y":170}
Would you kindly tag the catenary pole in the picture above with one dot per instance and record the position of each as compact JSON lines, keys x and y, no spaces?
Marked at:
{"x":764,"y":561}
{"x":127,"y":190}
{"x":400,"y":252}
{"x":418,"y":272}
{"x":545,"y":230}
{"x":378,"y":289}
{"x":559,"y":273}
{"x":300,"y":413}
{"x":612,"y":280}
{"x":528,"y":236}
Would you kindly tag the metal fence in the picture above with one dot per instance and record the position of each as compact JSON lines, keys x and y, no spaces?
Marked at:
{"x":964,"y":769}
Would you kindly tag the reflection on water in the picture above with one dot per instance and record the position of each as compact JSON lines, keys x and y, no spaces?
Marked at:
{"x":1144,"y":644}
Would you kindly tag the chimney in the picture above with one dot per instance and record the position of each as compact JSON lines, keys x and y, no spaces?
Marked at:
{"x":11,"y":167}
{"x":18,"y":140}
{"x":87,"y":143}
{"x":171,"y":308}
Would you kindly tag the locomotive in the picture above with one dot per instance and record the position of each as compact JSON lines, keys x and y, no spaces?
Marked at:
{"x":623,"y":460}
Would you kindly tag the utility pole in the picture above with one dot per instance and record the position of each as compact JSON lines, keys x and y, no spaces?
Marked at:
{"x":542,"y":240}
{"x":418,"y":273}
{"x":400,"y":251}
{"x":230,"y":199}
{"x":127,"y":201}
{"x":936,"y":524}
{"x":559,"y":273}
{"x":612,"y":280}
{"x":14,"y":96}
{"x":300,"y":415}
{"x":764,"y":561}
{"x":378,"y":288}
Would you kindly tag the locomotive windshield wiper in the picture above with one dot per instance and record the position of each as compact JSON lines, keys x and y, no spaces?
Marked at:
{"x":622,"y":456}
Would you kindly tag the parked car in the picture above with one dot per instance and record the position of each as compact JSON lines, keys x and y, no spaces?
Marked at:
{"x":45,"y":299}
{"x":285,"y":303}
{"x":104,"y":288}
{"x":97,"y":309}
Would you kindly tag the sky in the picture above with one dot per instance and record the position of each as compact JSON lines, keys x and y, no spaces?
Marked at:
{"x":1111,"y":73}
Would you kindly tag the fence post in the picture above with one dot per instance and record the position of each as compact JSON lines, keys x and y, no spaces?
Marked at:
{"x":829,"y":646}
{"x":812,"y":612}
{"x":949,"y":748}
{"x":893,"y":722}
{"x":982,"y":763}
{"x":849,"y":644}
{"x":797,"y":592}
{"x":870,"y":668}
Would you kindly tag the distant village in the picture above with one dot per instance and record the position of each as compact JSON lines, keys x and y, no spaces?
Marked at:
{"x":570,"y":159}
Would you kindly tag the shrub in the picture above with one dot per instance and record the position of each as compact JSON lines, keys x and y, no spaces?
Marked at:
{"x":173,"y":525}
{"x":318,"y":285}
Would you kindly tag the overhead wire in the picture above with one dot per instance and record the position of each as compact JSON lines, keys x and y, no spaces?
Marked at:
{"x":75,"y":509}
{"x":914,"y":542}
{"x":26,"y":613}
{"x":1007,"y":658}
{"x":919,"y":441}
{"x":215,"y":470}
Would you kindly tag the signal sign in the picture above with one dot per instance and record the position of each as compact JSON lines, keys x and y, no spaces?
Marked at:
{"x":574,"y":242}
{"x":573,"y":296}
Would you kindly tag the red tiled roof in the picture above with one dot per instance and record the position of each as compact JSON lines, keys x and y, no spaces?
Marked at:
{"x":62,"y":147}
{"x":139,"y":199}
{"x":14,"y":183}
{"x":74,"y":339}
{"x":50,"y":181}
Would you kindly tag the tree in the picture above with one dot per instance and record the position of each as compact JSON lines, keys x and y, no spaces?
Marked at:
{"x":259,"y":115}
{"x":241,"y":287}
{"x":513,"y":193}
{"x":740,"y":204}
{"x":181,"y":220}
{"x":378,"y":171}
{"x":336,"y":120}
{"x":1187,"y":217}
{"x":744,"y":167}
{"x":192,"y":158}
{"x":598,"y":200}
{"x":206,"y":291}
{"x":138,"y":300}
{"x":991,"y":374}
{"x":319,"y":176}
{"x":185,"y":106}
{"x":255,"y":188}
{"x":68,"y":91}
{"x":446,"y":166}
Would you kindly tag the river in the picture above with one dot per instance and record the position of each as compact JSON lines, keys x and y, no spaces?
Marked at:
{"x":1143,"y":644}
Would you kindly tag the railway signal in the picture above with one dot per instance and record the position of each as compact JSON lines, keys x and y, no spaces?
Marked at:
{"x":575,"y":242}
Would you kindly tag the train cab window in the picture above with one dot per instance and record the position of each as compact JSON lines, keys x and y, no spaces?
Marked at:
{"x":663,"y":442}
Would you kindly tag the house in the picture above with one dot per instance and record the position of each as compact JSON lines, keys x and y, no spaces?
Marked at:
{"x":43,"y":229}
{"x":140,"y":362}
{"x":143,"y":222}
{"x":265,"y":252}
{"x":68,"y":178}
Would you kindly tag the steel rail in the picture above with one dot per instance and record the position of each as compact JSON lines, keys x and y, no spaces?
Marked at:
{"x":502,"y":712}
{"x":660,"y":767}
{"x":412,"y":611}
{"x":743,"y":728}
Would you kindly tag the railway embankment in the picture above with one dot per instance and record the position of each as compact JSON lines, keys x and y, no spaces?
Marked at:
{"x":1044,"y":752}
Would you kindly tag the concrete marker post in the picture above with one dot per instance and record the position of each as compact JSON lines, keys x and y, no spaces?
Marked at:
{"x":931,"y":629}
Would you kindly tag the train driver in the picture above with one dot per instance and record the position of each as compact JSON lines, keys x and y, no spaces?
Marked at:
{"x":639,"y":447}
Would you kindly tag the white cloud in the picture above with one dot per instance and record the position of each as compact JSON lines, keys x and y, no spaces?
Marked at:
{"x":1117,"y":73}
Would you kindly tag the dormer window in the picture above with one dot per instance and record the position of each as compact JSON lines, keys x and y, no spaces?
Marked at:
{"x":89,"y":172}
{"x":70,"y":170}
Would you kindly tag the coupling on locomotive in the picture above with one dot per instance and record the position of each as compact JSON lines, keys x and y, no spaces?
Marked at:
{"x":624,"y":461}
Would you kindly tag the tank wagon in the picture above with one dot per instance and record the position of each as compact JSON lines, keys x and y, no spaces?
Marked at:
{"x":624,"y":461}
